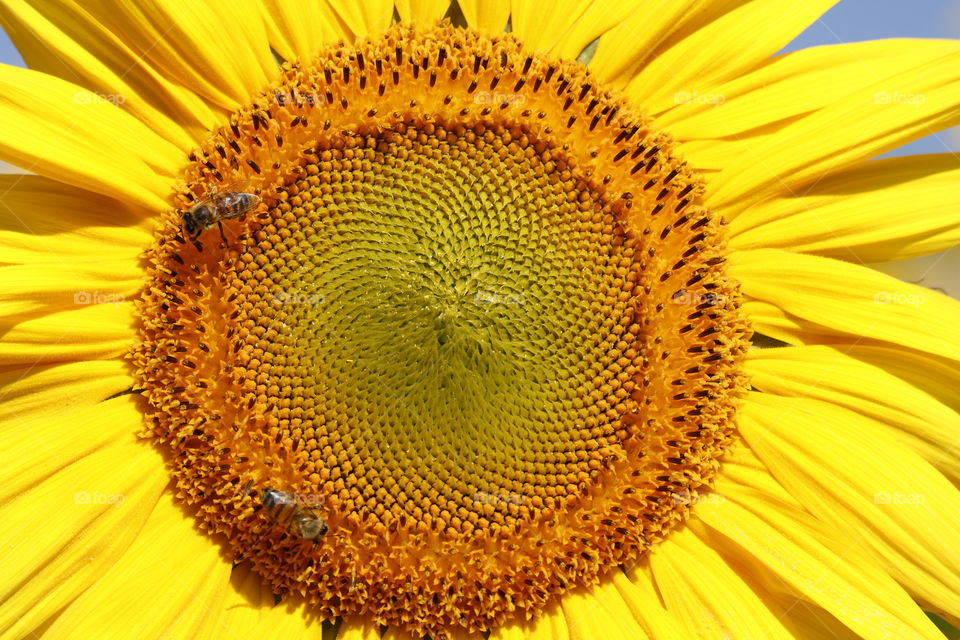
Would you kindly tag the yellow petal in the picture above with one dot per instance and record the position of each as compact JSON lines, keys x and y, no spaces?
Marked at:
{"x":65,"y":530}
{"x":938,"y":377}
{"x":871,"y":212}
{"x":748,"y":483}
{"x":54,"y":41}
{"x":710,"y":157}
{"x":218,"y":49}
{"x":640,"y":594}
{"x":718,"y":50}
{"x":599,"y":611}
{"x":89,"y":332}
{"x":394,"y":633}
{"x":422,"y":12}
{"x":489,"y":16}
{"x":780,"y":88}
{"x":705,"y":595}
{"x":772,"y":321}
{"x":862,"y":598}
{"x":917,"y":419}
{"x":358,"y":628}
{"x":598,"y":18}
{"x":248,"y":610}
{"x":367,"y":18}
{"x":30,"y":393}
{"x":184,"y":577}
{"x":549,"y":624}
{"x":45,"y":446}
{"x":33,"y":289}
{"x":751,"y":482}
{"x":299,"y":30}
{"x":540,"y":30}
{"x":111,"y":152}
{"x":42,"y":220}
{"x":808,"y":621}
{"x":850,"y":298}
{"x":861,"y":125}
{"x":514,"y":630}
{"x":645,"y":34}
{"x":864,"y":483}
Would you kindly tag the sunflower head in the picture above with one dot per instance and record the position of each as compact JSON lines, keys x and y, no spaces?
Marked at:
{"x":478,"y":326}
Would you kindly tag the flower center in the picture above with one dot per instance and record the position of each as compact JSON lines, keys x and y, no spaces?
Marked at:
{"x":466,"y":342}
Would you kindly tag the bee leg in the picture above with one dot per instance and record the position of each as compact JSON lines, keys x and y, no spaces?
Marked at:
{"x":222,"y":235}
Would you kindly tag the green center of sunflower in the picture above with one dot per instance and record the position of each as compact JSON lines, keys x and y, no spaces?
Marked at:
{"x":451,"y":304}
{"x":459,"y":352}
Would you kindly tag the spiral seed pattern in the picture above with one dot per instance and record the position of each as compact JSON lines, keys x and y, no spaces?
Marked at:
{"x":479,"y":324}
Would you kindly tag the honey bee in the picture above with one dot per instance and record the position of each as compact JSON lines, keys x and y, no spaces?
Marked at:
{"x":284,"y":509}
{"x":216,"y":207}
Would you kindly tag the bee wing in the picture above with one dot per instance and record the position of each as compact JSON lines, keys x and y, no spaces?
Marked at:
{"x":218,"y":193}
{"x":235,"y":204}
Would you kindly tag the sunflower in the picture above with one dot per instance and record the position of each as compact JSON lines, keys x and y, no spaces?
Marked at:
{"x":478,"y":319}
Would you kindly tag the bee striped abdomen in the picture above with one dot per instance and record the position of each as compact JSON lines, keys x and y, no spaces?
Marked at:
{"x":279,"y":506}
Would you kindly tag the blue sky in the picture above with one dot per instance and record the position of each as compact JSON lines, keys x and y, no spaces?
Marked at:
{"x":849,"y":21}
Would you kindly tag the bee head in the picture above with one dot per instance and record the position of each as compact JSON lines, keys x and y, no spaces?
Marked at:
{"x":189,"y":225}
{"x":196,"y":219}
{"x":310,"y":527}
